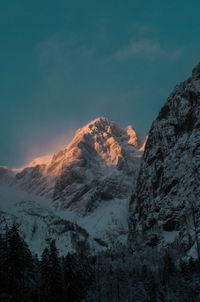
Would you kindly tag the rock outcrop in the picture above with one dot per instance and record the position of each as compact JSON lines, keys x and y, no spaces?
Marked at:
{"x":165,"y":208}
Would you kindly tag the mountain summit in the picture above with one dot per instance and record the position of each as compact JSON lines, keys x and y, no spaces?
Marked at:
{"x":88,"y":182}
{"x":99,"y":161}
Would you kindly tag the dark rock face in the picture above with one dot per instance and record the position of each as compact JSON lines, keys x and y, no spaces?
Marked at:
{"x":169,"y":177}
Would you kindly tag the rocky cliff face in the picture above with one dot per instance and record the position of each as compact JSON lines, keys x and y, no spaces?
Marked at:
{"x":88,"y":183}
{"x":166,"y":206}
{"x":98,"y":164}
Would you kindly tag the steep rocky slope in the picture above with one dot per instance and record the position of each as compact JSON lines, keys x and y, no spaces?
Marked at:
{"x":166,"y":206}
{"x":88,"y":183}
{"x":96,"y":165}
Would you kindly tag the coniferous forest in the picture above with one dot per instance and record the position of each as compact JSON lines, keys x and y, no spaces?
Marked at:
{"x":110,"y":276}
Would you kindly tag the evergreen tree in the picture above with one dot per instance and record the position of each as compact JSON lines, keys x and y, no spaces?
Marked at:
{"x":18,"y":265}
{"x":35,"y":293}
{"x":3,"y":272}
{"x":28,"y":280}
{"x":71,"y":282}
{"x":51,"y":288}
{"x":56,"y":284}
{"x":45,"y":270}
{"x":15,"y":264}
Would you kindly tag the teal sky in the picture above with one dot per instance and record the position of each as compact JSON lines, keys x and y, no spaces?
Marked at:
{"x":64,"y":63}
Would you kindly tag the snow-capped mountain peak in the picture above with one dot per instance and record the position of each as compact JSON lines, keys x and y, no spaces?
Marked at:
{"x":89,"y":181}
{"x":99,"y":140}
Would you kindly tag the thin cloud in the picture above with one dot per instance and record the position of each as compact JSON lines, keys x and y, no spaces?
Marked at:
{"x":144,"y":48}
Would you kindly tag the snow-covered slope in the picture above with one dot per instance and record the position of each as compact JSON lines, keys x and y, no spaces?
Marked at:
{"x":37,"y":220}
{"x":38,"y":223}
{"x":89,"y":182}
{"x":90,"y":167}
{"x":166,"y":205}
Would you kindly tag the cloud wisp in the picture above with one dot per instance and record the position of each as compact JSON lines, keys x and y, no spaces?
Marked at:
{"x":147,"y":49}
{"x":144,"y":48}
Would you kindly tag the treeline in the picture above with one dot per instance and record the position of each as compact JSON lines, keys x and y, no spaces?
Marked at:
{"x":150,"y":276}
{"x":116,"y":275}
{"x":24,"y":277}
